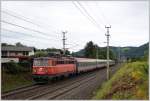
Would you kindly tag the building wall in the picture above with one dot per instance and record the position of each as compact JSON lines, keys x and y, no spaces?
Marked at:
{"x":16,"y":53}
{"x":5,"y":60}
{"x":31,"y":53}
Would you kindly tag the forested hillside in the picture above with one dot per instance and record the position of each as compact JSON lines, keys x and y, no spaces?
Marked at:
{"x":129,"y":52}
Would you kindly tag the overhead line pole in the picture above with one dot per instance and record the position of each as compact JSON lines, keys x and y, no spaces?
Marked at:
{"x":107,"y":35}
{"x":96,"y":56}
{"x":64,"y":39}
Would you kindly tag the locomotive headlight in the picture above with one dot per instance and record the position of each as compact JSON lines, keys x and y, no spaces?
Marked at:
{"x":40,"y":69}
{"x":34,"y":70}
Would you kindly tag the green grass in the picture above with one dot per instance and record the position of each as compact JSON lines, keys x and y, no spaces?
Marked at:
{"x":129,"y":82}
{"x":12,"y":81}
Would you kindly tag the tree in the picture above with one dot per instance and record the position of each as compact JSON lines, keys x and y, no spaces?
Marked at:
{"x":90,"y":50}
{"x":19,"y":44}
{"x":40,"y":54}
{"x":67,"y":52}
{"x":145,"y":57}
{"x":4,"y":44}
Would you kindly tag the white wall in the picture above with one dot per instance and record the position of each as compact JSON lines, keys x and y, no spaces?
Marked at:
{"x":5,"y":60}
{"x":31,"y":53}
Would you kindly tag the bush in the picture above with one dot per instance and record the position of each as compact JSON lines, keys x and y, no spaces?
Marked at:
{"x":129,"y":82}
{"x":26,"y":65}
{"x":40,"y":54}
{"x":14,"y":68}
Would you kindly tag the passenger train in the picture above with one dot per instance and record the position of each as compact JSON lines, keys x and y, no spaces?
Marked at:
{"x":46,"y":68}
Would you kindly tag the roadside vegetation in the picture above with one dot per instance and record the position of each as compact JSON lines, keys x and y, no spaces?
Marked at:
{"x":129,"y":82}
{"x":15,"y":75}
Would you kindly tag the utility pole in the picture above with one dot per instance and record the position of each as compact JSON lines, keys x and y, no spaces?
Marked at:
{"x":96,"y":55}
{"x":64,"y":39}
{"x":107,"y":35}
{"x":119,"y":55}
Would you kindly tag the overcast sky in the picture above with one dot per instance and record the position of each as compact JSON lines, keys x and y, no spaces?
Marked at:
{"x":129,"y":22}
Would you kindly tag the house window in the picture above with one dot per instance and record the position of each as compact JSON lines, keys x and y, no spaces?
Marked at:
{"x":16,"y":53}
{"x":25,"y":53}
{"x":4,"y":53}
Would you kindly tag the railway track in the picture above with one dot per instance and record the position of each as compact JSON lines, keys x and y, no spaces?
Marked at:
{"x":57,"y":91}
{"x":37,"y":91}
{"x":19,"y":90}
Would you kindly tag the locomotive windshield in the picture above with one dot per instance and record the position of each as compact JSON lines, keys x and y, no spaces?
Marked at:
{"x":40,"y":62}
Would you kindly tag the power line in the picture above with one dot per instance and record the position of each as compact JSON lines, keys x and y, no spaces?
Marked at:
{"x":20,"y":18}
{"x":104,"y":17}
{"x":28,"y":28}
{"x":85,"y":15}
{"x":35,"y":37}
{"x":29,"y":35}
{"x":89,"y":15}
{"x":97,"y":14}
{"x":73,"y":46}
{"x":10,"y":37}
{"x":24,"y":19}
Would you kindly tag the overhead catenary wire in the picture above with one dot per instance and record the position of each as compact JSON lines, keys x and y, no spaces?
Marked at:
{"x":11,"y":37}
{"x":24,"y":19}
{"x":87,"y":13}
{"x":103,"y":15}
{"x":73,"y":46}
{"x":103,"y":22}
{"x":31,"y":41}
{"x":30,"y":35}
{"x":42,"y":33}
{"x":20,"y":18}
{"x":84,"y":14}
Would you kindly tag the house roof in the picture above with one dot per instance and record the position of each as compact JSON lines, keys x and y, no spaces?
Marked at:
{"x":16,"y":48}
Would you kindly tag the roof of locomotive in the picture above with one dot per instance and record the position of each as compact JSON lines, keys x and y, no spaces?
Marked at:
{"x":90,"y":60}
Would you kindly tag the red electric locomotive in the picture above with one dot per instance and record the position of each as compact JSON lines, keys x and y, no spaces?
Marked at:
{"x":45,"y":68}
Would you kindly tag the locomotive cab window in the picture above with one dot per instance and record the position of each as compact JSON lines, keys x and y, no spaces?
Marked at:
{"x":51,"y":63}
{"x":40,"y":62}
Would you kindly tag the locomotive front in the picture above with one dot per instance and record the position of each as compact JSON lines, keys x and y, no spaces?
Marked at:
{"x":40,"y":69}
{"x":46,"y":68}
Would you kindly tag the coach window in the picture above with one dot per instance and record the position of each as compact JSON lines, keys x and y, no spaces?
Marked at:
{"x":62,"y":62}
{"x":80,"y":64}
{"x":67,"y":62}
{"x":57,"y":62}
{"x":70,"y":62}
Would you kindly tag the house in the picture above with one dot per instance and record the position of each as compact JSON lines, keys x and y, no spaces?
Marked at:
{"x":15,"y":53}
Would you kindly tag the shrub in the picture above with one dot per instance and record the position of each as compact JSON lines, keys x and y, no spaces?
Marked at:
{"x":129,"y":82}
{"x":26,"y":66}
{"x":14,"y":68}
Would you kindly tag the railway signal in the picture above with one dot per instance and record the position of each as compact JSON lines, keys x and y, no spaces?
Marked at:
{"x":107,"y":35}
